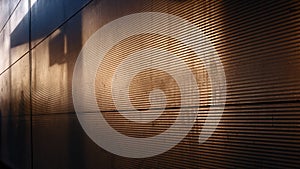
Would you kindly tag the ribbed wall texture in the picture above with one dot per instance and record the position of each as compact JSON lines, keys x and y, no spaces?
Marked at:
{"x":256,"y":44}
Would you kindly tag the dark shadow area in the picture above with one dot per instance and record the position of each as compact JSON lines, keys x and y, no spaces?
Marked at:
{"x":21,"y":133}
{"x":20,"y":35}
{"x":46,"y":17}
{"x":4,"y":166}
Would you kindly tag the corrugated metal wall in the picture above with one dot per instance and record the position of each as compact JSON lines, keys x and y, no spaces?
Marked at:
{"x":257,"y":42}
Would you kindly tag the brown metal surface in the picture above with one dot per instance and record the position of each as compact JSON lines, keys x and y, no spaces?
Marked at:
{"x":258,"y":45}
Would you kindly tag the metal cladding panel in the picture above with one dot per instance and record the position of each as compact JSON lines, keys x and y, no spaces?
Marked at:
{"x":142,"y":84}
{"x":14,"y":35}
{"x":53,"y":62}
{"x":15,"y":115}
{"x":58,"y":142}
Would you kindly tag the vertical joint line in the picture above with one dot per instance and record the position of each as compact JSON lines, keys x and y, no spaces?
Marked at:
{"x":30,"y":84}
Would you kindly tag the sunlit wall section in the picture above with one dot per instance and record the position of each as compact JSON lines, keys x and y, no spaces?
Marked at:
{"x":258,"y":46}
{"x":14,"y":34}
{"x":242,"y":113}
